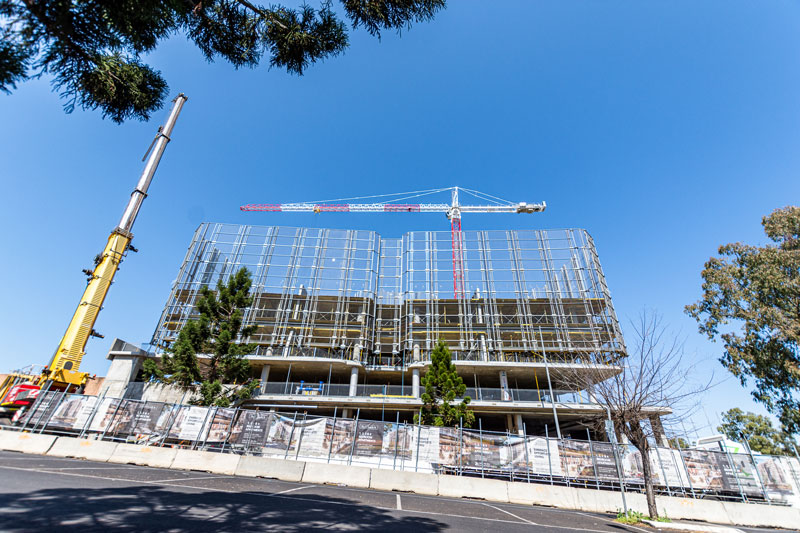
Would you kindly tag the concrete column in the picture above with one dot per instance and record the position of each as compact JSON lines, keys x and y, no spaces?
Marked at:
{"x":484,"y":350}
{"x":509,"y":423}
{"x":658,"y":431}
{"x":415,"y":383}
{"x":264,"y":378}
{"x":356,"y":355}
{"x":353,"y":380}
{"x":416,"y":353}
{"x":123,"y":370}
{"x":506,"y":394}
{"x":518,"y":423}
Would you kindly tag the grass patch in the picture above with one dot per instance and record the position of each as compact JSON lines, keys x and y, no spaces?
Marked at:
{"x":632,"y":517}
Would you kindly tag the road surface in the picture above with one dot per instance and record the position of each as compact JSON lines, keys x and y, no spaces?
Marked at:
{"x":41,"y":493}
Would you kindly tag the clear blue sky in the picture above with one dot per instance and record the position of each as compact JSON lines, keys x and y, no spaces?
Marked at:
{"x":663,"y":128}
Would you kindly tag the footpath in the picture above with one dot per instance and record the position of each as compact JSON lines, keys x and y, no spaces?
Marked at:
{"x":490,"y":490}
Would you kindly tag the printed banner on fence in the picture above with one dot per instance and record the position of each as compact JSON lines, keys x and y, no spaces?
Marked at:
{"x":425,"y":447}
{"x":705,"y":471}
{"x":220,"y":425}
{"x":146,"y":420}
{"x":544,"y":456}
{"x":605,"y":462}
{"x":251,"y":428}
{"x":775,"y":477}
{"x":187,"y":422}
{"x":397,"y":441}
{"x":482,"y":451}
{"x":72,"y":412}
{"x":631,"y":460}
{"x":576,"y":459}
{"x":449,"y":445}
{"x":338,"y":438}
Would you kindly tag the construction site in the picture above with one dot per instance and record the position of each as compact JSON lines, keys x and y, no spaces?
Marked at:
{"x":345,"y":320}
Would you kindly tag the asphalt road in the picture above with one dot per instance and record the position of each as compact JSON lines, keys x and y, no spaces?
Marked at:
{"x":42,"y":493}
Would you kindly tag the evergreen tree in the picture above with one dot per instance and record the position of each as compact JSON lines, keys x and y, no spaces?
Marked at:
{"x":757,"y":430}
{"x":215,"y":335}
{"x":442,"y":386}
{"x":751,"y":301}
{"x":93,"y":49}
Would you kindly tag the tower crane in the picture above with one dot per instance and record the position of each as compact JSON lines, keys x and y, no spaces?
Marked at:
{"x":453,"y":211}
{"x":63,"y":371}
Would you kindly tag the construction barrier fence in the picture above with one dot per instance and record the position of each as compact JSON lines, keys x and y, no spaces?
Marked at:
{"x":696,"y":473}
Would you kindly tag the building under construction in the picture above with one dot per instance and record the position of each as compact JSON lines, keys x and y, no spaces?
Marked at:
{"x":346,"y":319}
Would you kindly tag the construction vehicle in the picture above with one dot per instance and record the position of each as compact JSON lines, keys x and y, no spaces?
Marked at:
{"x":63,"y":373}
{"x":453,"y":211}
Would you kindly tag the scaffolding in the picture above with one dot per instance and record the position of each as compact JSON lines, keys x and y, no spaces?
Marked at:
{"x":351,"y":294}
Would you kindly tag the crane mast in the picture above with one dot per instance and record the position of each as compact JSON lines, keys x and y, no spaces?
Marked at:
{"x":453,"y":211}
{"x":63,"y":368}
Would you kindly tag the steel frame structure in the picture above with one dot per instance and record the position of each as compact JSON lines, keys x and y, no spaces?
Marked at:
{"x":349,"y":293}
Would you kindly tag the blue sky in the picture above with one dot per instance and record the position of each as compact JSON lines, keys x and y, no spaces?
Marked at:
{"x":663,"y":128}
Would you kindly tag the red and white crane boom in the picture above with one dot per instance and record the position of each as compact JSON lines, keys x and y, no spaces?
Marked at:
{"x":453,"y":210}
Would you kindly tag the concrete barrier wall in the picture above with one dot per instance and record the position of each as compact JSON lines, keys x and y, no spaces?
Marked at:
{"x":92,"y":450}
{"x":351,"y":476}
{"x":598,"y":501}
{"x":404,"y":481}
{"x":252,"y":466}
{"x":15,"y":441}
{"x":136,"y":454}
{"x":216,"y":463}
{"x":473,"y":487}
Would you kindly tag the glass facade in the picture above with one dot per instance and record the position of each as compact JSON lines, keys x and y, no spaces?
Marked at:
{"x":354,"y":294}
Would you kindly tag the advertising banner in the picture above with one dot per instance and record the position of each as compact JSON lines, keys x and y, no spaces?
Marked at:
{"x":605,"y":461}
{"x":576,"y":459}
{"x":279,"y":435}
{"x":220,"y":425}
{"x":425,"y":447}
{"x":187,"y":422}
{"x":338,"y":437}
{"x":746,"y":474}
{"x":369,"y":440}
{"x":146,"y":418}
{"x":449,"y":446}
{"x":514,"y":455}
{"x":41,"y":411}
{"x":544,"y":456}
{"x":631,"y":461}
{"x":251,"y":428}
{"x":775,"y":477}
{"x":703,"y":468}
{"x":666,"y":468}
{"x":72,"y":412}
{"x":792,"y":468}
{"x":482,"y":451}
{"x":121,"y":420}
{"x":312,"y":436}
{"x":397,"y":441}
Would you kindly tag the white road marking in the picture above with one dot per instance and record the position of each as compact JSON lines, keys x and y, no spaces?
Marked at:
{"x":512,"y":514}
{"x":176,"y":479}
{"x":56,"y":468}
{"x":289,"y":490}
{"x":399,"y":504}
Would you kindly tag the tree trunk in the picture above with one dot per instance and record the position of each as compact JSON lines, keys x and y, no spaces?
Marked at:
{"x":640,"y":441}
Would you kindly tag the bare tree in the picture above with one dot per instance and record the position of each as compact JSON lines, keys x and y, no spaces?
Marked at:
{"x":655,"y":378}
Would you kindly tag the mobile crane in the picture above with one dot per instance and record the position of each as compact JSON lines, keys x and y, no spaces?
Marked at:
{"x":20,"y":388}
